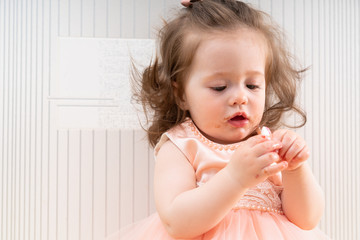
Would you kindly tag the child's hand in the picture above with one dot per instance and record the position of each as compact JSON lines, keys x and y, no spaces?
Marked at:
{"x":251,"y":162}
{"x":294,"y":148}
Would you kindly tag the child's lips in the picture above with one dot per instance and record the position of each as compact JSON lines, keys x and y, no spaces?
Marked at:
{"x":238,"y":121}
{"x":238,"y":118}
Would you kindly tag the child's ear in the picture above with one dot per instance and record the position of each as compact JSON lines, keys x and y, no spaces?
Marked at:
{"x":180,"y":97}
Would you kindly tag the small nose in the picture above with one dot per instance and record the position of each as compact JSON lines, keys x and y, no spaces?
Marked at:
{"x":239,"y":98}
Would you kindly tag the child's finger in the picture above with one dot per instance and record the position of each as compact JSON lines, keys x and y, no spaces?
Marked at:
{"x":303,"y":155}
{"x":266,"y":147}
{"x":252,"y":141}
{"x":294,"y":150}
{"x":267,"y":159}
{"x":275,"y":168}
{"x":287,"y":140}
{"x":278,"y":134}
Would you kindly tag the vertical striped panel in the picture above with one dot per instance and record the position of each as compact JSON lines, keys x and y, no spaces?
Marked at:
{"x":50,"y":177}
{"x":74,"y":184}
{"x":86,"y":193}
{"x":101,"y":182}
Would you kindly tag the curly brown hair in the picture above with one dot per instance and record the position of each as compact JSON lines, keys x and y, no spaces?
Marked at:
{"x":178,"y":41}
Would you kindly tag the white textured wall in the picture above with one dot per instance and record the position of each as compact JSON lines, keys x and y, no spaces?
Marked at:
{"x":58,"y":183}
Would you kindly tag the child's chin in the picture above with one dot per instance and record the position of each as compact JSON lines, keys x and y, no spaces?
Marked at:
{"x":235,"y":139}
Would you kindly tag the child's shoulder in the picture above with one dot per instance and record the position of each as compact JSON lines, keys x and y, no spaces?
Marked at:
{"x":183,"y":136}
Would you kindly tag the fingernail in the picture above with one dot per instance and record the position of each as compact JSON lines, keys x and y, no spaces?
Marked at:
{"x":265,"y":131}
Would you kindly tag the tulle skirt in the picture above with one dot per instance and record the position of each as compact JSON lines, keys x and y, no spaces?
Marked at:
{"x":237,"y":225}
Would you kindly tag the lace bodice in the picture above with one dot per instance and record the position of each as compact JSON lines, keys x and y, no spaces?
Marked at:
{"x":208,"y":158}
{"x":263,"y":197}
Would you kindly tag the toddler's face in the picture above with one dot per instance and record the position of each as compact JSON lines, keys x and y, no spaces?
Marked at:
{"x":225,"y":89}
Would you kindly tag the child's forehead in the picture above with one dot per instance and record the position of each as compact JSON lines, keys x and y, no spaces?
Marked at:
{"x":200,"y":36}
{"x":231,"y":54}
{"x":226,"y":37}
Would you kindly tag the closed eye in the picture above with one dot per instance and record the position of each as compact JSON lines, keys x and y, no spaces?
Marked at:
{"x":250,"y":86}
{"x":219,"y":89}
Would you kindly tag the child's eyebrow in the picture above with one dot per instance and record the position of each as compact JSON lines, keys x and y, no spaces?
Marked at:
{"x":218,"y":74}
{"x":255,"y":72}
{"x":229,"y":74}
{"x":247,"y":73}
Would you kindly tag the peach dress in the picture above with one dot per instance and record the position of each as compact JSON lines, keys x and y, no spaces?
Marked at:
{"x":258,"y":214}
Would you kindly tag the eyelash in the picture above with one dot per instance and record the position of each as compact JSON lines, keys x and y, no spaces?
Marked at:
{"x":251,"y":86}
{"x":222,"y":88}
{"x":219,"y":89}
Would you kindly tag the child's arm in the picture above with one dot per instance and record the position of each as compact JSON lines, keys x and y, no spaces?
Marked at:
{"x":188,"y":211}
{"x":302,"y":197}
